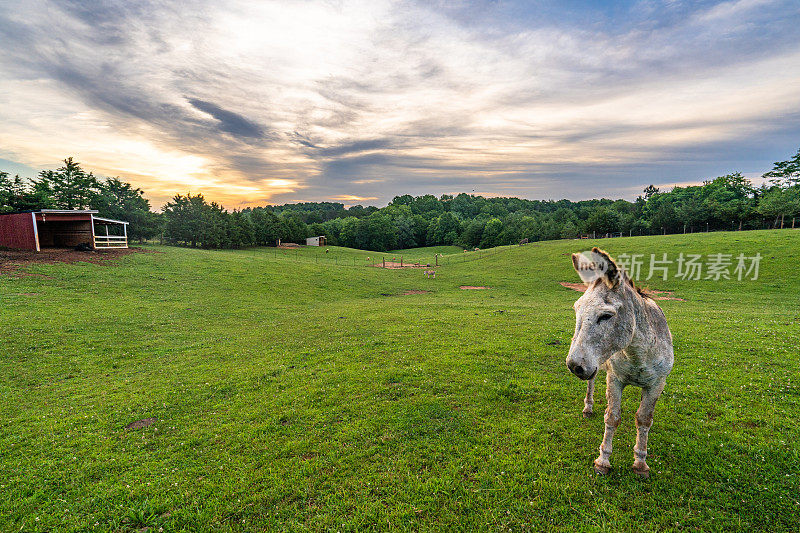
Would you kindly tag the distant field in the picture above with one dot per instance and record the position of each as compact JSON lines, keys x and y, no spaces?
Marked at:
{"x":293,"y":391}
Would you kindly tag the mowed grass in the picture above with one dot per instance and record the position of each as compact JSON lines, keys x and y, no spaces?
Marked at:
{"x":294,"y":395}
{"x":341,"y":256}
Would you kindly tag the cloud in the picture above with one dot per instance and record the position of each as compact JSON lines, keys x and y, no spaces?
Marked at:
{"x":349,"y":198}
{"x":263,"y":102}
{"x":355,"y":147}
{"x":230,"y":122}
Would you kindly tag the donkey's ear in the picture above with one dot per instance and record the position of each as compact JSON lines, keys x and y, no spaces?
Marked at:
{"x":576,"y":262}
{"x":611,"y":273}
{"x":585,"y":267}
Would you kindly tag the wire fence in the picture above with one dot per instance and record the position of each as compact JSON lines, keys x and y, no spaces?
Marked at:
{"x":334,"y":257}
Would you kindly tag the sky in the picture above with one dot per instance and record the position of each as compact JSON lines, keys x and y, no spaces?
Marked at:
{"x":254,"y":103}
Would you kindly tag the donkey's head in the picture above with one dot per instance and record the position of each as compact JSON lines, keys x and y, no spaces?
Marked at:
{"x":604,"y":318}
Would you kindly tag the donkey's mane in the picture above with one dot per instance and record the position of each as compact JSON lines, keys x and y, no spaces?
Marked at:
{"x":639,"y":290}
{"x":614,"y":275}
{"x":643,"y":292}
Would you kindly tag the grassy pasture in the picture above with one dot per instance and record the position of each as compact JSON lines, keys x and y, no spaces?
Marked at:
{"x":340,"y":256}
{"x":290,"y":393}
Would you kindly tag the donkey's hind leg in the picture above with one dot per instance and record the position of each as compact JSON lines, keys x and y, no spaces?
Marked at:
{"x":588,"y":402}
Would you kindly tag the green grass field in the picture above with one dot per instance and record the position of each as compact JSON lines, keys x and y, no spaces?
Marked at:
{"x":339,"y":256}
{"x":291,"y":393}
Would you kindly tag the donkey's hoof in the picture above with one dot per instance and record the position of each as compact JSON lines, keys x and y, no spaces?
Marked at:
{"x":642,"y":473}
{"x":588,"y":414}
{"x":602,"y":469}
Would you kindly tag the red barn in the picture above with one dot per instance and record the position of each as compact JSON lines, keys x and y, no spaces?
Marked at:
{"x":61,"y":228}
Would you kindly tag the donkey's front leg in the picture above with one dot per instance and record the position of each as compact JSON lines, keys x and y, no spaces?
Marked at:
{"x":644,"y":419}
{"x":602,"y":465}
{"x":588,"y":402}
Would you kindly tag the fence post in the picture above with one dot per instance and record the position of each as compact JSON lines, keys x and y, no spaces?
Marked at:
{"x":384,"y":262}
{"x":437,"y":259}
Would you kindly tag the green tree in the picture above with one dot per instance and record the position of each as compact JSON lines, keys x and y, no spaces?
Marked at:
{"x":649,"y":191}
{"x":786,"y":173}
{"x":405,"y":232}
{"x":603,"y":220}
{"x":17,"y":194}
{"x":10,"y":191}
{"x":185,"y":217}
{"x":491,"y":232}
{"x":779,"y":202}
{"x":473,"y":232}
{"x":443,"y":230}
{"x":569,"y":230}
{"x":69,"y":186}
{"x":240,"y":230}
{"x":405,"y":199}
{"x":691,"y":209}
{"x":427,"y":205}
{"x":730,"y":199}
{"x":266,"y":226}
{"x":292,"y":228}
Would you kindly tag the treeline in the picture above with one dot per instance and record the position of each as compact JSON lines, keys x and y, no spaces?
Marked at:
{"x":70,"y":187}
{"x":725,"y":203}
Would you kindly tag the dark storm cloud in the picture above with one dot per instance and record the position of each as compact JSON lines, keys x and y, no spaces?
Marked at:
{"x":229,"y":121}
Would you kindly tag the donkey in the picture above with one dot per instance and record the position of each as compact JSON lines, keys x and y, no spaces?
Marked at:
{"x":430,"y":273}
{"x":620,"y":329}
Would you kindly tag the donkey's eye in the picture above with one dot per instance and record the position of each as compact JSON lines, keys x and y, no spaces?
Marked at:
{"x":604,"y":316}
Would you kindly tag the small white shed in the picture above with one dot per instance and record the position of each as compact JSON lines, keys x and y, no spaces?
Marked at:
{"x":316,"y":241}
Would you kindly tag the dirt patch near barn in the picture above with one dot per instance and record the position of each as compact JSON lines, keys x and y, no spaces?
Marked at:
{"x":654,"y":294}
{"x":472,"y":288}
{"x":12,"y":262}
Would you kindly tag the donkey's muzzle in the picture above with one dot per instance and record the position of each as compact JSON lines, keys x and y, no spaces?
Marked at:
{"x":580,"y":371}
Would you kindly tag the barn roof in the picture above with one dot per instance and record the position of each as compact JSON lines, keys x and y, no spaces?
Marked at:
{"x":67,"y":211}
{"x":57,"y":212}
{"x":92,"y":212}
{"x":109,"y":220}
